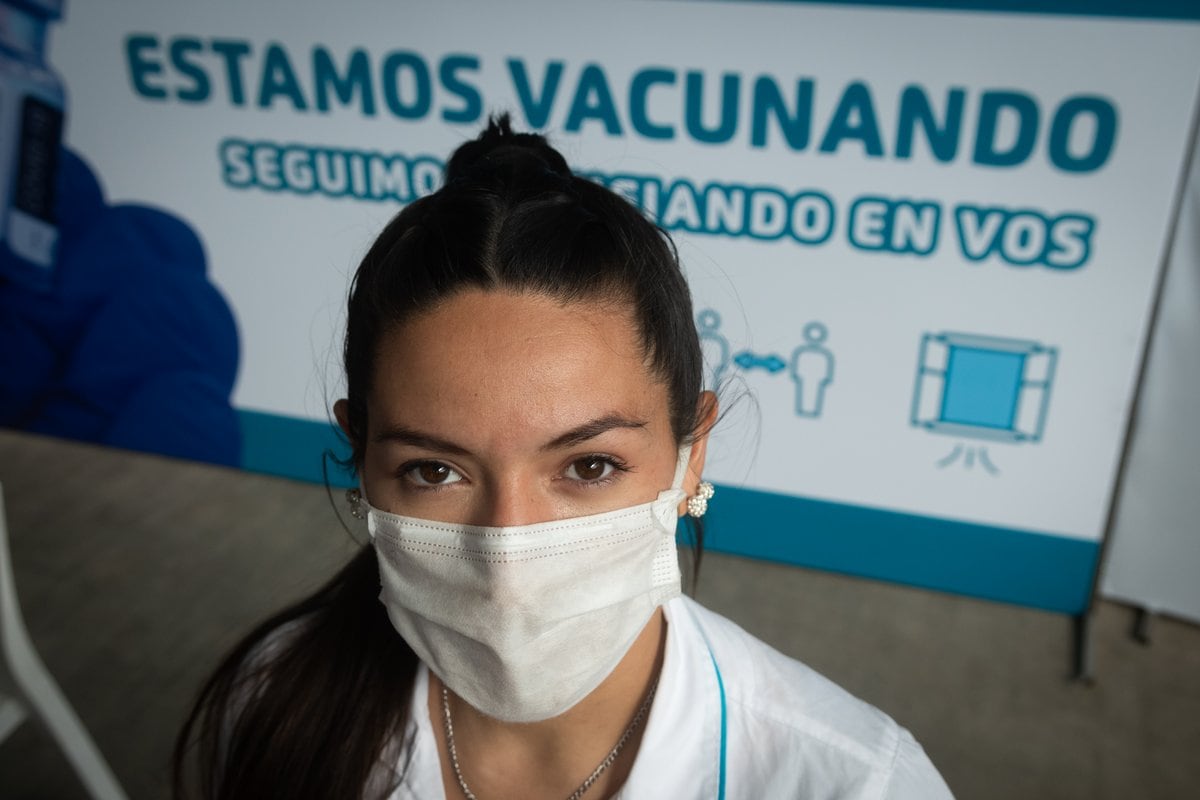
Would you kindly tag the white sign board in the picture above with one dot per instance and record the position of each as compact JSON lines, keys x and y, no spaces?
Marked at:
{"x":925,"y":242}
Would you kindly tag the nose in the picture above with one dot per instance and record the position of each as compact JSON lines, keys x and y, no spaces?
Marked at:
{"x":509,"y":502}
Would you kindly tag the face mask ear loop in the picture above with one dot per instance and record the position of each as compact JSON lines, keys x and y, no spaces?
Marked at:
{"x":685,"y":455}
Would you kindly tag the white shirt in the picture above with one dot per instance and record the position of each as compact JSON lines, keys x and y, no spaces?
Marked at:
{"x":735,"y":719}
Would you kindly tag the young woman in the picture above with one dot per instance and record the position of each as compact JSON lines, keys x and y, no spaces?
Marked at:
{"x":525,"y":409}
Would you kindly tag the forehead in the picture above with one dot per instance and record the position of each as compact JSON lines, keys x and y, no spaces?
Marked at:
{"x":498,"y":366}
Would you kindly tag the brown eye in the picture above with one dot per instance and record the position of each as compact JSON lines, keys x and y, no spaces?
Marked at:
{"x":432,"y":473}
{"x":590,"y":468}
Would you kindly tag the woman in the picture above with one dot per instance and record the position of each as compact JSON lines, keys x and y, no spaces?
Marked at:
{"x":527,"y":424}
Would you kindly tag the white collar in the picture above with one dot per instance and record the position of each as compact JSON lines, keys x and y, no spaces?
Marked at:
{"x":680,"y":753}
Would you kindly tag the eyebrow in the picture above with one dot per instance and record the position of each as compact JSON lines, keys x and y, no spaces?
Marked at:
{"x":398,"y":433}
{"x":577,"y":435}
{"x":590,"y":430}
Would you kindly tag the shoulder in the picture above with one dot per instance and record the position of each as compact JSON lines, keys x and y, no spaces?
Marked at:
{"x":802,"y":733}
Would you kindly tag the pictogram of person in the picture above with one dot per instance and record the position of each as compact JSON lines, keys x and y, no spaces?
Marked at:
{"x":713,"y":346}
{"x":812,"y":370}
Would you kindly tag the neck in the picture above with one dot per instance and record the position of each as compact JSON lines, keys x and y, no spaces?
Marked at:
{"x":551,"y":758}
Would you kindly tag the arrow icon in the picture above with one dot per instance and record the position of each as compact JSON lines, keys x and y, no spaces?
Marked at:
{"x":748,"y":360}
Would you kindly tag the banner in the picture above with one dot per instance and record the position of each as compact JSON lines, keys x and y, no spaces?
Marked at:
{"x":922,"y":244}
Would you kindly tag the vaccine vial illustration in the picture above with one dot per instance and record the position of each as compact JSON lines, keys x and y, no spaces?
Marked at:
{"x":31,"y":124}
{"x":985,"y":388}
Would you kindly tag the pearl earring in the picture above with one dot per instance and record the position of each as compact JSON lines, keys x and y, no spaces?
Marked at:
{"x":355,"y":499}
{"x":697,"y":504}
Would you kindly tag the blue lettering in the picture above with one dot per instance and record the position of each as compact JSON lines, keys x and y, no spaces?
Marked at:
{"x":854,"y":118}
{"x":593,"y":100}
{"x":639,"y":88}
{"x":536,"y":109}
{"x":991,"y":105}
{"x":298,"y":170}
{"x":201,"y":88}
{"x":1024,"y":237}
{"x":869,"y":223}
{"x":328,"y":172}
{"x":427,"y":176}
{"x":472,"y":106}
{"x":894,"y":226}
{"x":141,"y":68}
{"x":1103,"y":136}
{"x":267,"y":172}
{"x":235,"y":163}
{"x":725,"y":209}
{"x":414,"y":65}
{"x":233,"y":52}
{"x":332,"y":174}
{"x":915,"y":109}
{"x":357,"y":79}
{"x":768,"y":100}
{"x":812,"y":218}
{"x":1070,"y":241}
{"x":768,"y":217}
{"x":682,"y":208}
{"x":694,"y":103}
{"x":278,"y":79}
{"x":644,"y":192}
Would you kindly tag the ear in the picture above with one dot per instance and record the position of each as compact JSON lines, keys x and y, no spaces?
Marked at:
{"x":707,"y":414}
{"x":341,"y":412}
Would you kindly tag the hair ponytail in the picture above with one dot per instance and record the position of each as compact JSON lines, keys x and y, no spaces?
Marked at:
{"x":303,"y":706}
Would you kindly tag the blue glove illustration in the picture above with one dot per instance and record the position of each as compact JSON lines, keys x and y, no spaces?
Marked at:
{"x":131,"y":346}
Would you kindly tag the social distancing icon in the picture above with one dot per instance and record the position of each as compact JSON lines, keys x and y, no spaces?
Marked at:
{"x":810,"y":366}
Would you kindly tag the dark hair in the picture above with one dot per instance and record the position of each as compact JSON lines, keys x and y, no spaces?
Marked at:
{"x":306,"y":710}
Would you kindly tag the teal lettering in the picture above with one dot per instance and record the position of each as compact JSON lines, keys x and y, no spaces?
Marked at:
{"x":991,"y":106}
{"x":536,"y":109}
{"x":768,"y":101}
{"x":279,"y":80}
{"x":232,"y":52}
{"x":201,"y":88}
{"x":142,"y":67}
{"x":593,"y":100}
{"x":1103,"y":136}
{"x":854,"y":118}
{"x":357,"y":79}
{"x":694,"y":103}
{"x":412,"y":64}
{"x":472,"y":106}
{"x":915,"y":110}
{"x":639,"y":89}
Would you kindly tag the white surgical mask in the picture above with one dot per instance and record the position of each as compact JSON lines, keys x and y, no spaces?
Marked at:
{"x":524,"y":622}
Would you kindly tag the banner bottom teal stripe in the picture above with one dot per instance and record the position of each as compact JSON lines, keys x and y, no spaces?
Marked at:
{"x":1031,"y":569}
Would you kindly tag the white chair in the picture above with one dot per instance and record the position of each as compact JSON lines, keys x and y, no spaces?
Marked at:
{"x":36,"y":691}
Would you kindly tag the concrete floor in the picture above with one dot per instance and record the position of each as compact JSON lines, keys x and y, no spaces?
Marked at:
{"x":135,"y":572}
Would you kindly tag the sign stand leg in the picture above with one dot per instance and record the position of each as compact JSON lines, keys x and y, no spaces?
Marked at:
{"x":1082,"y":668}
{"x":1141,"y":625}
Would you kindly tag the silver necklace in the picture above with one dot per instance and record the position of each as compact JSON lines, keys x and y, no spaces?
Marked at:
{"x":583,"y":787}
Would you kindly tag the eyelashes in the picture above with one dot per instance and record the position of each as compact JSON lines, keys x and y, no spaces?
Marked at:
{"x":596,"y":469}
{"x":589,"y":471}
{"x":430,"y":474}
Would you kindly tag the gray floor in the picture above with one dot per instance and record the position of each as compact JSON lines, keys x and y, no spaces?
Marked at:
{"x":135,"y":572}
